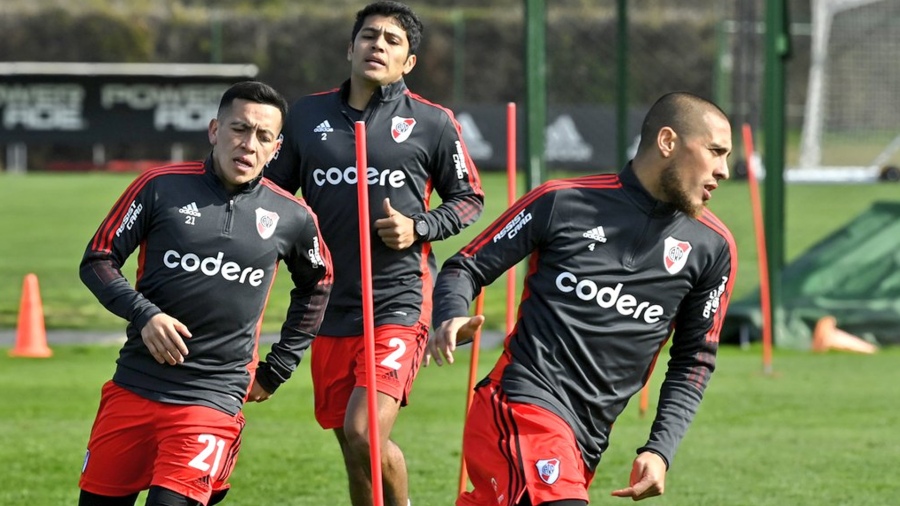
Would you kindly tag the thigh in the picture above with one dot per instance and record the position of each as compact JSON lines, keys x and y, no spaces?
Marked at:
{"x":399,"y":351}
{"x":332,"y":364}
{"x":489,"y":451}
{"x":514,"y":450}
{"x":122,"y":445}
{"x":198,"y":449}
{"x":550,"y":457}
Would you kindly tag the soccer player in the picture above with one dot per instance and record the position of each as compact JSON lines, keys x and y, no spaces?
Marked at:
{"x":210,"y":234}
{"x":415,"y":147}
{"x":618,"y":262}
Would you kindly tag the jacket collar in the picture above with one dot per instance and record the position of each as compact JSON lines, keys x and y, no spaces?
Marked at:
{"x":384,"y":93}
{"x":214,"y":179}
{"x":641,"y":197}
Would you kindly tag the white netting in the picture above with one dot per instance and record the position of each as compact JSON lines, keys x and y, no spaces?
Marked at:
{"x":853,"y":103}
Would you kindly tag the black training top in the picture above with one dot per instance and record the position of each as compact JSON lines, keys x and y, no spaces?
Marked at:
{"x":414,"y":147}
{"x":208,"y":259}
{"x":612,"y":271}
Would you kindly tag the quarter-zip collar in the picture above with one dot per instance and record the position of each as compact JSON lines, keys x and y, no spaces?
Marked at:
{"x":384,"y":93}
{"x":216,"y":182}
{"x":641,"y":197}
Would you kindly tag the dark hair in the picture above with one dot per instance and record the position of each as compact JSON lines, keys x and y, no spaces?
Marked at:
{"x":678,"y":110}
{"x":401,"y":12}
{"x":254,"y":91}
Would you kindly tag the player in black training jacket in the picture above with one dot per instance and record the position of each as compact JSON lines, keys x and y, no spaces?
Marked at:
{"x":618,"y":262}
{"x":414,"y":148}
{"x":210,"y":235}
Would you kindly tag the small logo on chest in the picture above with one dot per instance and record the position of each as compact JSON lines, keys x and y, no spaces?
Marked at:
{"x":266,"y":221}
{"x":676,"y":254}
{"x":401,"y":128}
{"x":596,"y":235}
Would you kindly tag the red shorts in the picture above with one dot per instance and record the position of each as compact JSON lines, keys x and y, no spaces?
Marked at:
{"x":136,"y":443}
{"x":511,"y":447}
{"x":338,"y":366}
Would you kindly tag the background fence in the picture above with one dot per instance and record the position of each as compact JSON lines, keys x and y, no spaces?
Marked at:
{"x":471,"y":60}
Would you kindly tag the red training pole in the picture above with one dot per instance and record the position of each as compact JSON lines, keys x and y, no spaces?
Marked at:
{"x":473,"y":376}
{"x":765,"y":303}
{"x":365,"y":264}
{"x":511,"y":199}
{"x":645,"y":399}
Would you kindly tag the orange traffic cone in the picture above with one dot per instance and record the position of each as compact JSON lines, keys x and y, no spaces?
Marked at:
{"x":31,"y":336}
{"x":827,"y":336}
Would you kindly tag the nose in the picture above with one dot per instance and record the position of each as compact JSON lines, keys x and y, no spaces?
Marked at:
{"x":721,"y":171}
{"x":248,"y":142}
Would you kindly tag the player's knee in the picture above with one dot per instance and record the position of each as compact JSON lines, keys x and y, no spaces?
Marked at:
{"x":90,"y":499}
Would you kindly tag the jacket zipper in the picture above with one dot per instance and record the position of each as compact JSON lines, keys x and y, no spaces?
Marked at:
{"x":229,"y":216}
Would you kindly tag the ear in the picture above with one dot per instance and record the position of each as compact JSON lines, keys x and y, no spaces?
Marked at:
{"x":276,"y":150}
{"x":350,"y":52}
{"x":212,"y":130}
{"x":409,"y":64}
{"x":665,"y":141}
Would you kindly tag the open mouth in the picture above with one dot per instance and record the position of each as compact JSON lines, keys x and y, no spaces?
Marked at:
{"x":242,"y":163}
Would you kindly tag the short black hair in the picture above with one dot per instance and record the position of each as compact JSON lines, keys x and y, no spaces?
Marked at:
{"x":254,"y":91}
{"x":678,"y":110}
{"x":401,"y":12}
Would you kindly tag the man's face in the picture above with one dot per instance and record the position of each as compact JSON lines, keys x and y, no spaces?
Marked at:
{"x":699,"y":162}
{"x":244,"y":139}
{"x":380,"y":53}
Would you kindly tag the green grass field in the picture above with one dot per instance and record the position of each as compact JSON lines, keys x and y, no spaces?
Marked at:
{"x":821,"y":430}
{"x":47,"y":219}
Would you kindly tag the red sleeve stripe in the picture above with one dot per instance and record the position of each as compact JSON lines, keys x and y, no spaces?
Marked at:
{"x":103,"y":239}
{"x":473,"y":178}
{"x":465,"y":209}
{"x":600,"y":181}
{"x":326,"y":92}
{"x":712,"y":221}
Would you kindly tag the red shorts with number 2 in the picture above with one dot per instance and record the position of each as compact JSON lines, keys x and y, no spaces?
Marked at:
{"x":511,"y":447}
{"x":136,"y":443}
{"x":338,"y":366}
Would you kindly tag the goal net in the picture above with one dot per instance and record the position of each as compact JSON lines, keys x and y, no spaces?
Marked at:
{"x":852,"y":119}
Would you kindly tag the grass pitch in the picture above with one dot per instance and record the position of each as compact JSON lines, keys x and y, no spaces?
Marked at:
{"x":820,"y":430}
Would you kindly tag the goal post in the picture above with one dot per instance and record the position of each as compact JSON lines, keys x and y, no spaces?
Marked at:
{"x":852,"y":112}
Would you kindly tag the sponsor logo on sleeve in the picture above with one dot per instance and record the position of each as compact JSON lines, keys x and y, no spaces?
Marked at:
{"x":459,"y":160}
{"x":712,"y":303}
{"x":401,"y":128}
{"x":128,"y":221}
{"x":514,"y":226}
{"x":266,"y":221}
{"x":676,"y":254}
{"x":315,"y":257}
{"x":548,"y":470}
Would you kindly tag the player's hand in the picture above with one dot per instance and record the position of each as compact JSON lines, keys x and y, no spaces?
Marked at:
{"x":162,"y":335}
{"x":258,"y":393}
{"x":397,"y":231}
{"x":648,"y":478}
{"x":455,"y":330}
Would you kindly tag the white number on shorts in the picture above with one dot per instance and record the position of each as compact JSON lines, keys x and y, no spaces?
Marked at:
{"x":391,"y":360}
{"x":212,"y":444}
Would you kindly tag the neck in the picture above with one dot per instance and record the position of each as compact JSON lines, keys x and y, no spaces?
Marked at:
{"x":648,"y":174}
{"x":360,"y":94}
